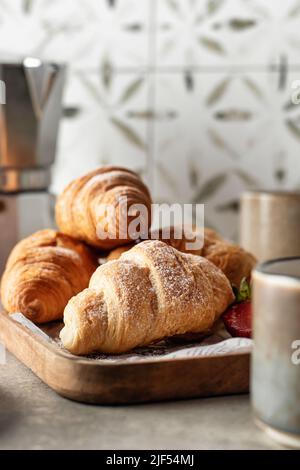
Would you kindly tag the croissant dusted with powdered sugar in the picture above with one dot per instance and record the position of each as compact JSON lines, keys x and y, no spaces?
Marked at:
{"x":153,"y":291}
{"x":234,"y":261}
{"x":81,"y":208}
{"x":43,"y":272}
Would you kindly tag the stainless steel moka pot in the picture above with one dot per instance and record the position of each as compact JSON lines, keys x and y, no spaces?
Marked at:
{"x":29,"y":122}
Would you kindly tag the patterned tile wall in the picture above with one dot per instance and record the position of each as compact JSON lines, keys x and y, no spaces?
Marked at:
{"x":193,"y":94}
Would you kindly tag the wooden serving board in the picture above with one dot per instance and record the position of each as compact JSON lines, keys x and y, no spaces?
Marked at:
{"x":95,"y":380}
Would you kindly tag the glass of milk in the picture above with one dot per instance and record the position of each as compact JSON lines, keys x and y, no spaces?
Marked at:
{"x":275,"y":377}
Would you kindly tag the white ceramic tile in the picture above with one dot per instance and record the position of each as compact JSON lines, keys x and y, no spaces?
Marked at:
{"x":108,"y":126}
{"x":83,"y":33}
{"x":272,"y":146}
{"x":214,"y":133}
{"x":189,"y":140}
{"x":184,"y":34}
{"x":88,"y":33}
{"x":224,"y":135}
{"x":226,"y":33}
{"x":20,"y":32}
{"x":276,"y":35}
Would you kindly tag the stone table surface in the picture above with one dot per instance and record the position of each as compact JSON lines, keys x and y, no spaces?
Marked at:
{"x":32,"y":416}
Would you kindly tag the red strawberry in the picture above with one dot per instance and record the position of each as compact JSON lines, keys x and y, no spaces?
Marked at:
{"x":237,"y":319}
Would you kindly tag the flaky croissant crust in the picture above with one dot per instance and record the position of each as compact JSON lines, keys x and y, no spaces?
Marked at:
{"x":43,"y":272}
{"x":151,"y":292}
{"x":234,"y":261}
{"x":79,"y":208}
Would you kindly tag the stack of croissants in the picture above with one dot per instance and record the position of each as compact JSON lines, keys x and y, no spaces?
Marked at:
{"x":145,"y":291}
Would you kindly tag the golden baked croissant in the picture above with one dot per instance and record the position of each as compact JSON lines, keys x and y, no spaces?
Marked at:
{"x":81,"y":210}
{"x":182,"y":244}
{"x":153,"y":291}
{"x":117,"y":252}
{"x":234,"y":261}
{"x":43,"y":272}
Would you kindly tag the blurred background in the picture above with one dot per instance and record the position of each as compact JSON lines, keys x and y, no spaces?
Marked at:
{"x":195,"y":95}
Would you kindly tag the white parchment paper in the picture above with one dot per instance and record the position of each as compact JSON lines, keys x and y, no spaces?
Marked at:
{"x":219,"y":343}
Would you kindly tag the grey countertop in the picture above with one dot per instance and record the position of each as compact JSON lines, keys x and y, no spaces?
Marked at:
{"x":34,"y":417}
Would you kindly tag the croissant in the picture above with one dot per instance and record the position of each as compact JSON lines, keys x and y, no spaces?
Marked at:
{"x":188,"y":236}
{"x":117,"y":252}
{"x":153,"y":291}
{"x":43,"y":272}
{"x":81,"y":210}
{"x":234,"y":261}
